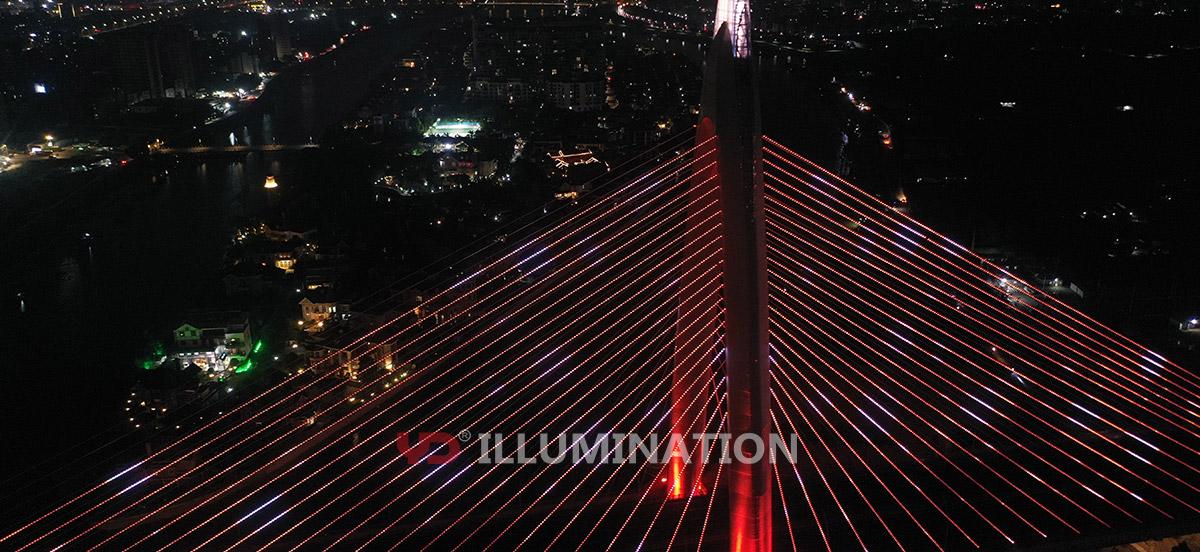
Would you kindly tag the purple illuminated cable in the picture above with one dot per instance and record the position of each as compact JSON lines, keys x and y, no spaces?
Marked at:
{"x":96,"y":506}
{"x":803,"y":489}
{"x":833,"y":456}
{"x":958,"y":250}
{"x":480,"y":525}
{"x":489,"y":378}
{"x":889,"y":214}
{"x":262,"y":429}
{"x":1022,"y":391}
{"x":580,"y":216}
{"x":1140,"y":404}
{"x":820,"y":473}
{"x":398,"y":497}
{"x":1001,"y":397}
{"x":1003,"y":312}
{"x":327,"y":445}
{"x":865,"y":438}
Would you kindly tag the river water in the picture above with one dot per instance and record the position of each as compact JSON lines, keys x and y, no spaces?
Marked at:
{"x":160,"y":230}
{"x":75,"y":312}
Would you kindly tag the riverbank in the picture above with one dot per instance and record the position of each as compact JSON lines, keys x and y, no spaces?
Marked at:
{"x":159,"y":228}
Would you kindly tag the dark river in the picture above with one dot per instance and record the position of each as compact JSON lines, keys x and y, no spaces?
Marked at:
{"x":84,"y":307}
{"x":75,"y":313}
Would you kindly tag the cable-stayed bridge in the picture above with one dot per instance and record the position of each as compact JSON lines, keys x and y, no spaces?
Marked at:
{"x":720,"y":285}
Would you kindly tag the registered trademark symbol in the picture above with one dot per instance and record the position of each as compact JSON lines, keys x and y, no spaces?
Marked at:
{"x":464,"y":435}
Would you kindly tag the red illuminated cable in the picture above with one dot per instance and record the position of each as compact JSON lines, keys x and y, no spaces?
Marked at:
{"x":921,"y":246}
{"x":1052,"y":303}
{"x":712,"y":498}
{"x":787,"y":362}
{"x":820,"y":473}
{"x":923,"y":441}
{"x":803,"y":489}
{"x":279,"y":402}
{"x":1005,"y":399}
{"x":832,"y":455}
{"x":516,"y":493}
{"x":881,"y":208}
{"x":787,"y":515}
{"x":1191,"y":421}
{"x":363,"y":479}
{"x":789,"y":321}
{"x":402,"y":494}
{"x":433,"y":493}
{"x":674,"y":430}
{"x":582,"y":216}
{"x":365,"y":352}
{"x":581,"y":331}
{"x":955,"y":423}
{"x":697,"y":485}
{"x":641,"y":466}
{"x":1036,"y":383}
{"x":1001,"y":397}
{"x":563,"y":475}
{"x":390,"y":525}
{"x":565,"y":526}
{"x":306,"y":439}
{"x":1056,"y":411}
{"x":323,"y":507}
{"x":335,"y":499}
{"x":563,"y":283}
{"x":1141,"y":400}
{"x":966,"y":329}
{"x":530,"y":533}
{"x":1056,"y":428}
{"x":676,"y":482}
{"x":510,"y":330}
{"x":600,"y":489}
{"x":1116,"y":337}
{"x":563,"y":529}
{"x":686,"y":345}
{"x":1141,"y":404}
{"x":870,"y":470}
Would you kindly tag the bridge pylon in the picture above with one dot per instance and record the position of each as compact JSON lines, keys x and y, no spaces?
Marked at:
{"x":729,"y":131}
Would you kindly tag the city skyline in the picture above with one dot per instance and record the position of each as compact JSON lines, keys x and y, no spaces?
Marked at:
{"x":276,"y":239}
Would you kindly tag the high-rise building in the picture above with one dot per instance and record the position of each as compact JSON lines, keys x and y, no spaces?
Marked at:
{"x":66,"y":10}
{"x":243,"y":63}
{"x":281,"y":37}
{"x":585,"y":95}
{"x":154,"y":63}
{"x":560,"y":58}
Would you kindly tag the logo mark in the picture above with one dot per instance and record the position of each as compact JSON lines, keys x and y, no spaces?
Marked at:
{"x":417,"y":452}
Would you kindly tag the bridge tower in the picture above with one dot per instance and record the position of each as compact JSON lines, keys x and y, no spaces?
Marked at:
{"x":729,"y":132}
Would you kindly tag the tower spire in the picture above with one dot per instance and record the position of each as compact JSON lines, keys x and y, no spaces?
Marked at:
{"x":736,"y":14}
{"x":730,"y":128}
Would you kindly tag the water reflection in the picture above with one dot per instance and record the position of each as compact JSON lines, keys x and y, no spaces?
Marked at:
{"x":74,"y":317}
{"x":299,"y":103}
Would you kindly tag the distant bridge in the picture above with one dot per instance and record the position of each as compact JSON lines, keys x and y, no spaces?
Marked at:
{"x":195,"y":150}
